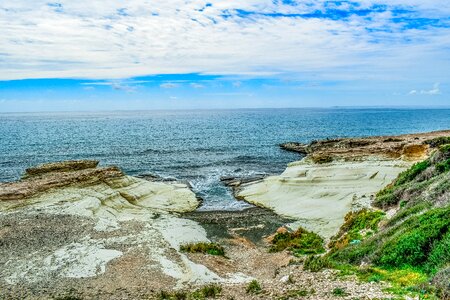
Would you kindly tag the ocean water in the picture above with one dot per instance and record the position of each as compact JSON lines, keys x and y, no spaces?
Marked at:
{"x":198,"y":146}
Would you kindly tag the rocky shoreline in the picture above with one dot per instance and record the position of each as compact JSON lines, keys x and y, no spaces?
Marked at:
{"x":73,"y":230}
{"x":342,"y":173}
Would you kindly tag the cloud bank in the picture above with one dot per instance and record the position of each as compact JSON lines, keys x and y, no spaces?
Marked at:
{"x":343,"y":40}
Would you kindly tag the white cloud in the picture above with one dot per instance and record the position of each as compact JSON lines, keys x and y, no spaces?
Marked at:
{"x":100,"y":39}
{"x":120,"y":85}
{"x":433,"y":91}
{"x":169,"y":85}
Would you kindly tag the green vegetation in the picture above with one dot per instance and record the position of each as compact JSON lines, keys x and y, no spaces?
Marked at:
{"x":206,"y":292}
{"x":316,"y":263}
{"x":68,"y":297}
{"x":299,"y":242}
{"x":391,"y":195}
{"x":420,"y":243}
{"x":205,"y":248}
{"x":406,"y":212}
{"x":443,"y":166}
{"x":254,"y":287}
{"x":179,"y":295}
{"x":439,"y":141}
{"x":357,"y":226}
{"x":415,"y":180}
{"x":340,"y":292}
{"x":410,"y":249}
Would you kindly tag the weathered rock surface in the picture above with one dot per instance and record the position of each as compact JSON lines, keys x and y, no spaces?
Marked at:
{"x":335,"y":177}
{"x":64,"y":166}
{"x":95,"y":233}
{"x":96,"y":227}
{"x":31,"y":186}
{"x":406,"y":147}
{"x":295,"y":147}
{"x":319,"y":196}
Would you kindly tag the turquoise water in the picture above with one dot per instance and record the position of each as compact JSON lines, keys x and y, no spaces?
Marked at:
{"x":198,"y":146}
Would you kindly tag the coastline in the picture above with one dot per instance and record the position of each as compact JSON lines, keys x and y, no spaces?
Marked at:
{"x":73,"y":224}
{"x":336,"y":176}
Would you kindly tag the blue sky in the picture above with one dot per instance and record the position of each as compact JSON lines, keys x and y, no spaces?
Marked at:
{"x":140,"y":54}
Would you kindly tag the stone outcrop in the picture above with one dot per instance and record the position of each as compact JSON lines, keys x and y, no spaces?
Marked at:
{"x":410,"y":147}
{"x":235,"y":183}
{"x":318,"y":196}
{"x":64,"y":166}
{"x":295,"y":147}
{"x":57,"y":175}
{"x":336,"y":176}
{"x":63,"y":227}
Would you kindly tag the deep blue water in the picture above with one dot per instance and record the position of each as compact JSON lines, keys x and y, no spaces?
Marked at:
{"x":199,"y":146}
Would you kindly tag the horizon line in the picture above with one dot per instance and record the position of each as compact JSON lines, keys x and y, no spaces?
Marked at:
{"x":241,"y":108}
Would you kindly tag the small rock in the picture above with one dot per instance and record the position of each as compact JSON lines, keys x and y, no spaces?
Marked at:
{"x":282,"y":230}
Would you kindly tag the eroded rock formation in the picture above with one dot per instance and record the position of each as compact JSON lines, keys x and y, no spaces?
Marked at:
{"x":335,"y":177}
{"x":411,"y":147}
{"x":73,"y":224}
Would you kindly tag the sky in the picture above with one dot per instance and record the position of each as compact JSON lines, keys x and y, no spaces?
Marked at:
{"x":194,"y":54}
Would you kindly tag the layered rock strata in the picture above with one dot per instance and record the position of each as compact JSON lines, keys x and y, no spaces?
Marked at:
{"x":335,"y":177}
{"x":73,"y":225}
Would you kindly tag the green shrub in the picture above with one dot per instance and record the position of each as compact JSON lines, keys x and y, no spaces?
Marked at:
{"x":445,"y":149}
{"x":340,"y":292}
{"x":316,"y":263}
{"x":412,"y":172}
{"x":391,"y":195}
{"x":205,"y":248}
{"x":300,"y":241}
{"x":408,"y":211}
{"x":443,"y":166}
{"x":439,"y":141}
{"x":179,"y":295}
{"x":413,"y":245}
{"x":208,"y":291}
{"x":254,"y":287}
{"x":386,"y":197}
{"x":440,"y":255}
{"x":354,"y":224}
{"x":355,"y":254}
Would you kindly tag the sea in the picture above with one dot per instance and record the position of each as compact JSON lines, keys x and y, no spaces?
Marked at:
{"x":198,"y":146}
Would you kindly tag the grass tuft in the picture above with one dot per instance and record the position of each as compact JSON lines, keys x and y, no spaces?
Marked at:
{"x":357,"y":226}
{"x":316,"y":263}
{"x":299,"y":242}
{"x":206,"y":292}
{"x":339,"y":292}
{"x":205,"y":248}
{"x":254,"y":287}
